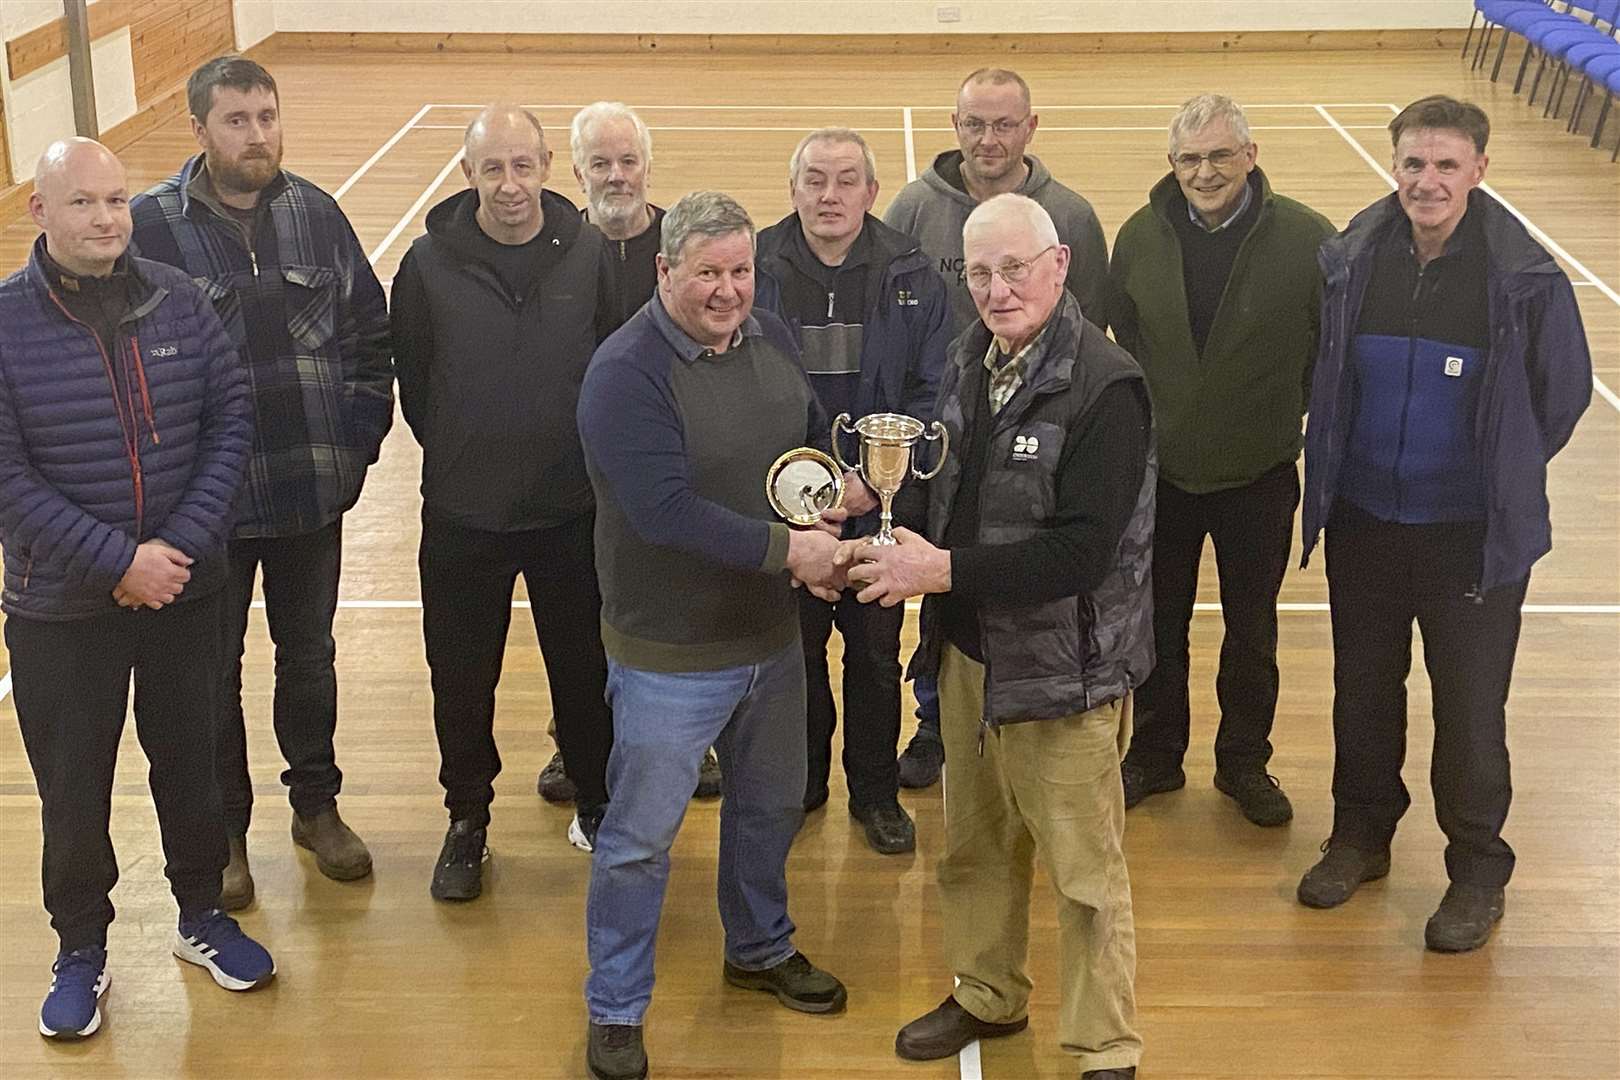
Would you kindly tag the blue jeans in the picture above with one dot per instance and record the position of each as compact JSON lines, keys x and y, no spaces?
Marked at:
{"x":663,"y":722}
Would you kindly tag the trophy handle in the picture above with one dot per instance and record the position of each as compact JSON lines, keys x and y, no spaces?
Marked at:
{"x":936,"y":430}
{"x":841,"y":424}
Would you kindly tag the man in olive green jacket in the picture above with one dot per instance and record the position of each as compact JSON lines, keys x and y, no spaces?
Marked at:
{"x":1218,"y":295}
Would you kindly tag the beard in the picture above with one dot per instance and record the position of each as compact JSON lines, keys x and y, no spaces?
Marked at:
{"x":252,"y":171}
{"x":616,"y":212}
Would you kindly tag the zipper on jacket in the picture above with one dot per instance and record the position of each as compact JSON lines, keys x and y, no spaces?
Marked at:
{"x":1406,"y":402}
{"x":830,"y":296}
{"x":253,"y":258}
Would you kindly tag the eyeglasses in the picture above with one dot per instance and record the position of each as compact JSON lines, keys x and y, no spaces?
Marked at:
{"x":1220,"y":159}
{"x":972,"y":125}
{"x":1012,"y":271}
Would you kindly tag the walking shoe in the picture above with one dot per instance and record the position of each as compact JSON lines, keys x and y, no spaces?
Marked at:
{"x":72,"y":1008}
{"x":1128,"y":1073}
{"x":708,"y":777}
{"x":339,"y":853}
{"x":582,"y":830}
{"x":920,"y":762}
{"x":946,"y":1030}
{"x":796,"y":982}
{"x":1139,"y":782}
{"x":614,"y":1052}
{"x":554,"y":785}
{"x":1465,"y":918}
{"x":889,"y":829}
{"x":236,"y":883}
{"x":1340,"y":873}
{"x":459,"y":873}
{"x":1258,"y":795}
{"x":214,"y":941}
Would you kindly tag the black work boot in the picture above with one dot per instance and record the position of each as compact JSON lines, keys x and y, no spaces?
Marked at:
{"x":459,"y":873}
{"x":1341,"y":871}
{"x":1140,"y":782}
{"x":889,"y":829}
{"x":1465,"y":918}
{"x":796,"y":982}
{"x":946,"y":1030}
{"x":614,"y":1052}
{"x":1257,"y":794}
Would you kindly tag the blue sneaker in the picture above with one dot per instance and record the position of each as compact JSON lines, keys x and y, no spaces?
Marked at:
{"x":215,"y":942}
{"x":72,"y":1009}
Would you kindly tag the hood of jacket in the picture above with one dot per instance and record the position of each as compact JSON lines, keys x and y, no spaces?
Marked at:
{"x":945,"y":177}
{"x":454,"y":222}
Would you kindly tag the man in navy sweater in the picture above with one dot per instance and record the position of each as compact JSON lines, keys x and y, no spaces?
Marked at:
{"x":683,"y":410}
{"x":1452,"y":367}
{"x":125,"y":425}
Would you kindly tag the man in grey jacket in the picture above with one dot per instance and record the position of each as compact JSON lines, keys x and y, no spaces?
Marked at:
{"x":994,"y":124}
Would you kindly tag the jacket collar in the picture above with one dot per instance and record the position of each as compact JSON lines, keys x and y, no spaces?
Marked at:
{"x":892,"y":250}
{"x":143,"y":295}
{"x":196,"y":192}
{"x":1052,"y":363}
{"x":1167,"y":200}
{"x":685,"y":346}
{"x":1509,"y":247}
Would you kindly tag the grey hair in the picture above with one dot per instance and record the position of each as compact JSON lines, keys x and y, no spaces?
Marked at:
{"x":833,"y":135}
{"x":1010,"y":204}
{"x":594,"y":116}
{"x":705,"y":214}
{"x":1198,"y":113}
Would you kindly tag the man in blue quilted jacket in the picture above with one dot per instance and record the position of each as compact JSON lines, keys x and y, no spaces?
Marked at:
{"x":125,"y":425}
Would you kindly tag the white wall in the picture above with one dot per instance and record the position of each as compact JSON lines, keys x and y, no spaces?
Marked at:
{"x":861,"y":16}
{"x":39,"y":106}
{"x":255,"y":21}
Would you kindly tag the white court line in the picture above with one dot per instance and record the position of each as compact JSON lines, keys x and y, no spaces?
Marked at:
{"x":1528,"y":609}
{"x":968,"y":1062}
{"x":381,"y":150}
{"x":5,"y":685}
{"x":1535,"y":230}
{"x":909,"y":129}
{"x":421,"y":201}
{"x":934,"y":108}
{"x":911,"y":145}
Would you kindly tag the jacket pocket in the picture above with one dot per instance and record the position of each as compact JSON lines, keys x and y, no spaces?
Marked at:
{"x":311,"y":305}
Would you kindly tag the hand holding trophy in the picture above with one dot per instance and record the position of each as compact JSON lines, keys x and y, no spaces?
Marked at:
{"x":886,"y":459}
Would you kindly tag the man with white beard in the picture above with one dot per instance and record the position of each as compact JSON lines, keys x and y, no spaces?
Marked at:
{"x":612,"y":151}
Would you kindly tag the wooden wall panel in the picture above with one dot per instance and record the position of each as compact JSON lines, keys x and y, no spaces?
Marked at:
{"x":169,"y":43}
{"x":5,"y":146}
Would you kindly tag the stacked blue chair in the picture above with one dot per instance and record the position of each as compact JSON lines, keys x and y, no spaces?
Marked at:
{"x":1603,"y":73}
{"x":1569,"y":46}
{"x":1527,"y":20}
{"x":1494,"y":12}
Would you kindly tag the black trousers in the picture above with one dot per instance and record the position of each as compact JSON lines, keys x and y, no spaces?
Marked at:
{"x":467,"y":580}
{"x":871,"y":635}
{"x":71,"y":682}
{"x":300,"y":600}
{"x":1252,"y":528}
{"x":1382,"y":576}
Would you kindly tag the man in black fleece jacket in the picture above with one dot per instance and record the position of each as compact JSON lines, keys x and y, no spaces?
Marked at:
{"x":496,"y":311}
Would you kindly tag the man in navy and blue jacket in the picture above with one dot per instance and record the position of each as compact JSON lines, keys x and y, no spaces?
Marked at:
{"x":1452,"y":367}
{"x":872,"y":320}
{"x":298,"y":296}
{"x":124,"y":432}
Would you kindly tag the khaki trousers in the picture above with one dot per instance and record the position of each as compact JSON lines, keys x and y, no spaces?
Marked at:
{"x":1049,"y":788}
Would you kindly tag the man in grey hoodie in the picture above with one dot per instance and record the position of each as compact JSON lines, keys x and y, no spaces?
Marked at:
{"x":994,"y":123}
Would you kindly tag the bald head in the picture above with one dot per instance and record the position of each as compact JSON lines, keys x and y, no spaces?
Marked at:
{"x":507,"y":162}
{"x":499,"y":120}
{"x":81,"y":202}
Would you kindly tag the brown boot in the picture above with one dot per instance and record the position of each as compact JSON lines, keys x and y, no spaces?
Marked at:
{"x":339,"y":853}
{"x":236,"y":884}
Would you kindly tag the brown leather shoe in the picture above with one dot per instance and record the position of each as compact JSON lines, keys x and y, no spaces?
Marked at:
{"x":339,"y":853}
{"x":236,"y":883}
{"x":946,"y":1030}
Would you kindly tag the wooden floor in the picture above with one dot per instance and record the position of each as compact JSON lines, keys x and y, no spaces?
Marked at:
{"x":1235,"y":979}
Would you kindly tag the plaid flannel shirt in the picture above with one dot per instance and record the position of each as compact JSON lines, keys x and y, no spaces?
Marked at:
{"x":310,"y":321}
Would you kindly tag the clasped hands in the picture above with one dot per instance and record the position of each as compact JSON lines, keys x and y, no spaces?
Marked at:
{"x":156,"y":576}
{"x":825,"y":565}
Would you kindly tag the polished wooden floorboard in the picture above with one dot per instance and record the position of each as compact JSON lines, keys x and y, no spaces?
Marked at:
{"x":1235,"y":980}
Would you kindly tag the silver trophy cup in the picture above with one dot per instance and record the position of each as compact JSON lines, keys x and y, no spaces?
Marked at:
{"x":886,"y":460}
